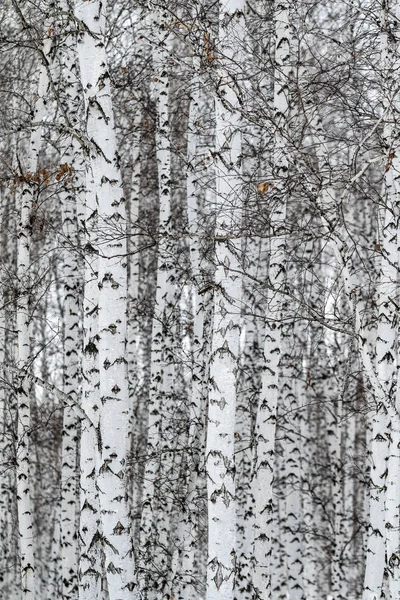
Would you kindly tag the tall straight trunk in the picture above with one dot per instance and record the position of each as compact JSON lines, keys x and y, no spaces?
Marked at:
{"x":155,"y":530}
{"x":310,"y":418}
{"x":69,"y":452}
{"x":4,"y":491}
{"x":134,"y":341}
{"x":91,"y":562}
{"x":292,"y":393}
{"x":26,"y":202}
{"x":350,"y":526}
{"x":162,"y":495}
{"x":136,"y":335}
{"x":220,"y":461}
{"x":311,"y":517}
{"x":257,"y":158}
{"x":71,"y":181}
{"x":13,"y":580}
{"x":388,"y":350}
{"x":197,"y":400}
{"x":266,"y":413}
{"x":309,"y":342}
{"x":190,"y":581}
{"x":384,"y":502}
{"x":255,"y":262}
{"x":133,"y":245}
{"x":108,"y":345}
{"x":335,"y":392}
{"x":278,"y":550}
{"x":6,"y":532}
{"x":90,"y":527}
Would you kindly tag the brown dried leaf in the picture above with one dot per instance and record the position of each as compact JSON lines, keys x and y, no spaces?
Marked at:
{"x":264,"y":186}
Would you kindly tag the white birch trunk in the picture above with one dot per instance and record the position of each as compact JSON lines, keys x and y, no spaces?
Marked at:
{"x":136,"y":336}
{"x":311,"y":520}
{"x":12,"y":580}
{"x":90,"y":527}
{"x":197,"y":399}
{"x":334,"y":415}
{"x":109,"y":343}
{"x":220,"y":463}
{"x":201,"y":314}
{"x":134,"y":341}
{"x":266,"y":414}
{"x":51,"y":584}
{"x":278,"y":566}
{"x":292,"y":391}
{"x":384,"y":541}
{"x":6,"y":532}
{"x":71,"y":180}
{"x":387,"y":356}
{"x":251,"y":366}
{"x":69,"y":467}
{"x":26,"y":202}
{"x":155,"y":530}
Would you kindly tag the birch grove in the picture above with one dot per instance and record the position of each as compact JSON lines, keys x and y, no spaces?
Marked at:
{"x":199,"y":298}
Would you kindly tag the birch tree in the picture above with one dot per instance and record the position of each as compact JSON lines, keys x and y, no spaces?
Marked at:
{"x":26,"y":201}
{"x":383,"y":541}
{"x":266,"y":413}
{"x":220,"y":463}
{"x":156,"y":507}
{"x":107,"y":344}
{"x":71,"y":178}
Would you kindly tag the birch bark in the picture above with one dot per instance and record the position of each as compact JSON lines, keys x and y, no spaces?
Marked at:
{"x":387,"y":356}
{"x":266,"y":413}
{"x":90,"y":527}
{"x":383,"y":540}
{"x":109,"y":344}
{"x":71,"y":180}
{"x":202,"y":307}
{"x":154,"y":534}
{"x":292,"y":392}
{"x":135,"y":367}
{"x":220,"y":463}
{"x":26,"y":202}
{"x":6,"y":531}
{"x":255,"y":262}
